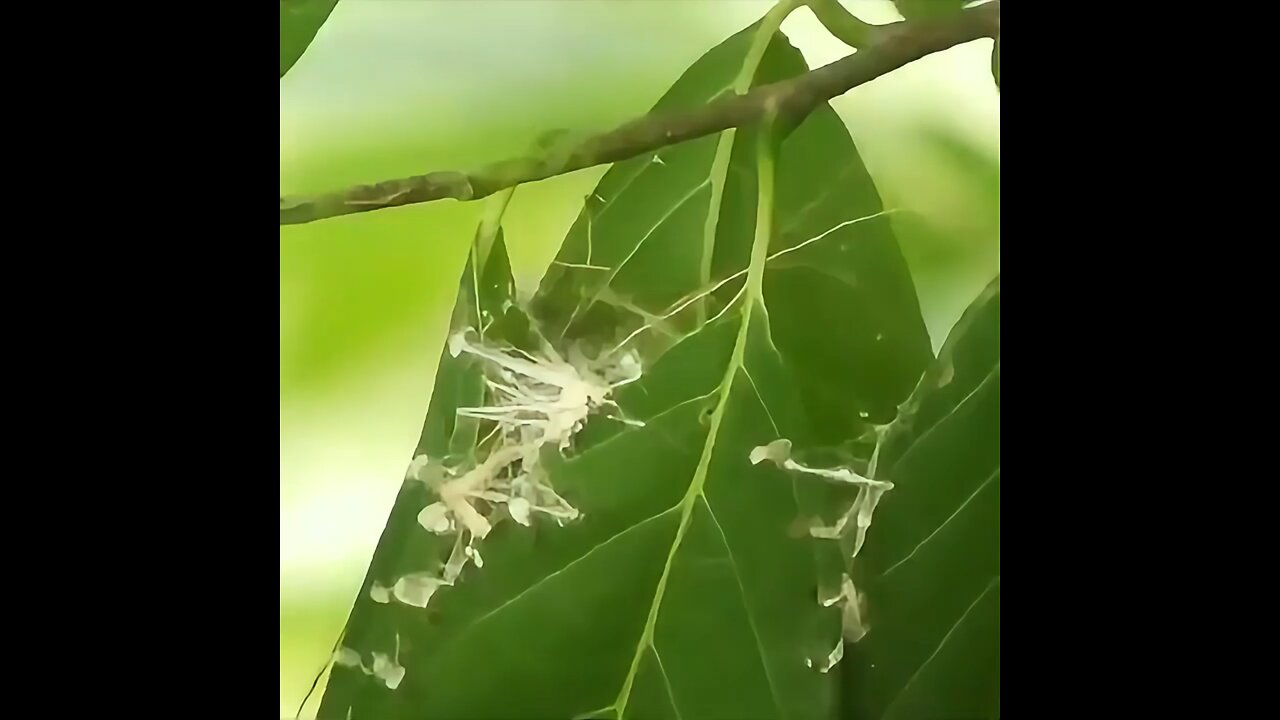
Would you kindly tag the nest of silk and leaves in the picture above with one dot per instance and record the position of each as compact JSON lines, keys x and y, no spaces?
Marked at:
{"x":535,"y":403}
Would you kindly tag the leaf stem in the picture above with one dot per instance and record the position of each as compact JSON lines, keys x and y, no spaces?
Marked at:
{"x":724,"y":148}
{"x":841,"y":23}
{"x":765,"y":146}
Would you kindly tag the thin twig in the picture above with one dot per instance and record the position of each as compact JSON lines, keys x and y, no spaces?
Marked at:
{"x":891,"y":47}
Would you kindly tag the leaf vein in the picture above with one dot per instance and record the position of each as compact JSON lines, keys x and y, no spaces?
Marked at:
{"x":639,"y":244}
{"x":995,"y":473}
{"x":962,"y":405}
{"x":760,"y":397}
{"x":666,"y":679}
{"x":746,"y":606}
{"x":803,"y":213}
{"x":963,"y":616}
{"x":547,"y":578}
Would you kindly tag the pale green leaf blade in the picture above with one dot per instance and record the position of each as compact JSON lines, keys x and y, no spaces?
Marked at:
{"x":300,"y":20}
{"x":931,"y":565}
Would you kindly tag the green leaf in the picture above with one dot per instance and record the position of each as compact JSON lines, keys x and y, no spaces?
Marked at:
{"x":689,"y":586}
{"x":995,"y":62}
{"x":300,"y":20}
{"x":928,"y":9}
{"x":931,"y":565}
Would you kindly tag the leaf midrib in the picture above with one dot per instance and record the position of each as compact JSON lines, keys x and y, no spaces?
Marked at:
{"x":689,"y":501}
{"x":753,"y":295}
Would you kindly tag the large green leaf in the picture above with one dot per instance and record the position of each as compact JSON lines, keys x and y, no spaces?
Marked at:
{"x":689,"y":587}
{"x":931,"y":565}
{"x":300,"y":20}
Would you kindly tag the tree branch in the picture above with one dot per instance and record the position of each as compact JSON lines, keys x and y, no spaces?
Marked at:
{"x":891,"y":47}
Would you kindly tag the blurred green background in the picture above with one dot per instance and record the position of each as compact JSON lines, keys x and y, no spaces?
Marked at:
{"x":399,"y":87}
